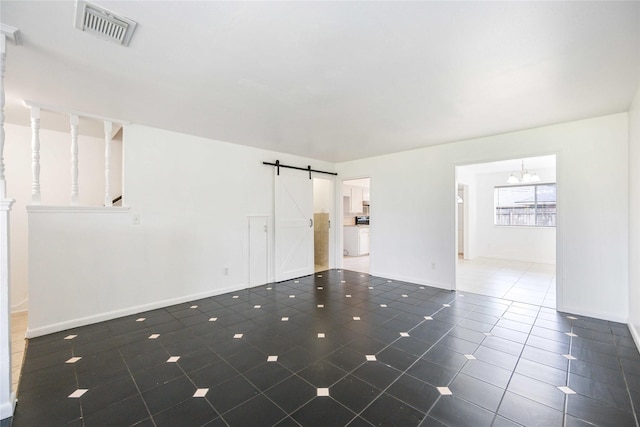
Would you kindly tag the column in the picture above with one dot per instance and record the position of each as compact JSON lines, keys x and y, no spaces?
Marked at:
{"x":7,"y":397}
{"x":35,"y":155}
{"x":3,"y":55}
{"x":108,"y":129}
{"x":74,"y":121}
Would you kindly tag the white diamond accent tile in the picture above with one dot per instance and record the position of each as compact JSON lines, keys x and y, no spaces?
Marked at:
{"x":319,"y":275}
{"x":348,"y":296}
{"x":428,"y":318}
{"x":272,"y":359}
{"x":285,"y":319}
{"x":404,"y":334}
{"x":356,"y":318}
{"x":320,"y":288}
{"x":343,"y":281}
{"x":421,"y":287}
{"x":371,"y":358}
{"x":269,"y":289}
{"x":194,"y":306}
{"x":292,"y":296}
{"x":323,"y":392}
{"x":572,"y":317}
{"x":569,"y":357}
{"x":444,"y":391}
{"x":201,"y":392}
{"x":73,"y":360}
{"x":237,"y":336}
{"x":405,"y":296}
{"x":257,"y":306}
{"x":566,"y":390}
{"x":321,"y":335}
{"x":236,"y":296}
{"x":173,"y":359}
{"x":446,"y":305}
{"x":370,"y":287}
{"x":320,"y":305}
{"x":296,"y":281}
{"x":470,"y":356}
{"x":70,"y":337}
{"x":571,"y":334}
{"x":141,"y":319}
{"x":79,"y":392}
{"x":153,"y":336}
{"x":383,"y":305}
{"x":389,"y":281}
{"x":213,"y":319}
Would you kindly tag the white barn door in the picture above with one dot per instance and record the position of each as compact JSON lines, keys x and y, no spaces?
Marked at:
{"x":293,"y":224}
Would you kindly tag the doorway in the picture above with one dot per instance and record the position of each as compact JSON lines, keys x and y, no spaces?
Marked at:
{"x":356,"y":211}
{"x":323,"y":218}
{"x":506,"y":229}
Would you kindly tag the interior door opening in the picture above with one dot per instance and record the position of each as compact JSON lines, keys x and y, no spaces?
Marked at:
{"x":323,"y":212}
{"x":506,"y":229}
{"x":356,"y":211}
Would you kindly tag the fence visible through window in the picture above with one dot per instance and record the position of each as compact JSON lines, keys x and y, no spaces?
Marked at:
{"x":526,"y":205}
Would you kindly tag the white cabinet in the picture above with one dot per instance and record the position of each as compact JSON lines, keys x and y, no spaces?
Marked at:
{"x":356,"y":199}
{"x":356,"y":240}
{"x":363,"y":237}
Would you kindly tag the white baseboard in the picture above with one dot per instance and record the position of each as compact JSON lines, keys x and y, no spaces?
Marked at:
{"x":417,"y":281}
{"x":635,"y":333}
{"x":101,"y":317}
{"x":7,"y":407}
{"x":611,"y":317}
{"x":508,"y":258}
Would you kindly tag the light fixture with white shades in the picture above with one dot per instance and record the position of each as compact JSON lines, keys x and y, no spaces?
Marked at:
{"x":524,"y":178}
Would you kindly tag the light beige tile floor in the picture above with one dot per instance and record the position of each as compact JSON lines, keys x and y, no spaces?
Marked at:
{"x":356,"y":263}
{"x":18,"y":330}
{"x":528,"y":282}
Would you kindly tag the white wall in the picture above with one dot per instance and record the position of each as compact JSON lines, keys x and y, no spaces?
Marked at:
{"x":193,"y":197}
{"x":55,"y":179}
{"x":415,"y":209}
{"x":323,"y":196}
{"x":532,"y":244}
{"x":634,"y":214}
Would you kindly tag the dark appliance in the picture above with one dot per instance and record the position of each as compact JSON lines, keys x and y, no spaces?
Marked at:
{"x":362,"y":220}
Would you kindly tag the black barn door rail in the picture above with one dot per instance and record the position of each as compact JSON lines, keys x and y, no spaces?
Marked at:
{"x":279,"y":165}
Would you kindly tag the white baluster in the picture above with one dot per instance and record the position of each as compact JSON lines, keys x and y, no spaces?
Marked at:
{"x":35,"y":155}
{"x":108,"y":129}
{"x":74,"y":121}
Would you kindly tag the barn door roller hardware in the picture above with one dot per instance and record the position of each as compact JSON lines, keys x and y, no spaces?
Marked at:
{"x":279,"y":165}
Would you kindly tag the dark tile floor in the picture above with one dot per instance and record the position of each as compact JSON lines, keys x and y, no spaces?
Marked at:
{"x":333,"y":349}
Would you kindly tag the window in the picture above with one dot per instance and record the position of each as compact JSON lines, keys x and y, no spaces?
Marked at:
{"x":526,"y":205}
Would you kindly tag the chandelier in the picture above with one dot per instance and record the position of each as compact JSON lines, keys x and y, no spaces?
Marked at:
{"x":524,"y":176}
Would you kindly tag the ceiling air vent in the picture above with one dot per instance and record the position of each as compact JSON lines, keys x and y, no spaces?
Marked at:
{"x":103,"y":23}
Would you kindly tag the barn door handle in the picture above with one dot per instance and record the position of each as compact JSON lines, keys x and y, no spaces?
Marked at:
{"x":310,"y":222}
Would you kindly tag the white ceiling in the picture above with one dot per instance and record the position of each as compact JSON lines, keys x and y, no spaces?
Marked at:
{"x":331,"y":80}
